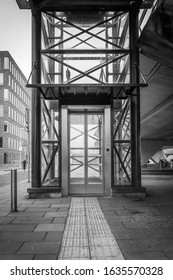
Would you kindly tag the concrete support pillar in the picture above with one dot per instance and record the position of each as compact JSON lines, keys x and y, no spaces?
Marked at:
{"x":135,"y":101}
{"x":36,"y":102}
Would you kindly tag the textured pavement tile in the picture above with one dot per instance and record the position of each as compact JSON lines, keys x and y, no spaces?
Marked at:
{"x":45,"y":257}
{"x":9,"y":247}
{"x":32,"y":220}
{"x":39,"y":248}
{"x":75,"y":242}
{"x":17,"y":227}
{"x":49,"y":227}
{"x":21,"y":236}
{"x":53,"y":236}
{"x":74,"y":252}
{"x":87,"y":234}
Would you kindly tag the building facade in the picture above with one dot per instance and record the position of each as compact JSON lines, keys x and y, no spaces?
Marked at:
{"x":15,"y":101}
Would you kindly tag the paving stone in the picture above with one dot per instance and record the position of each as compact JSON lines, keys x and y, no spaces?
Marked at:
{"x":40,"y":209}
{"x":49,"y":227}
{"x":32,"y":220}
{"x":169,"y":254}
{"x":16,"y":257}
{"x":159,"y":233}
{"x":17,"y":227}
{"x":129,"y":234}
{"x":56,"y":214}
{"x":60,"y":205}
{"x":138,"y":255}
{"x":9,"y":247}
{"x":53,"y":236}
{"x":6,"y":220}
{"x":60,"y":220}
{"x":155,"y":245}
{"x":39,"y":248}
{"x":22,"y":236}
{"x":63,"y":209}
{"x":45,"y":257}
{"x":26,"y":214}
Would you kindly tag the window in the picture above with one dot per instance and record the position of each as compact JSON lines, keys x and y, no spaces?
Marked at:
{"x":1,"y":110}
{"x":1,"y":78}
{"x":9,"y":142}
{"x":9,"y":81}
{"x":6,"y":94}
{"x":1,"y":142}
{"x":9,"y":112}
{"x":5,"y":126}
{"x":6,"y":63}
{"x":12,"y":143}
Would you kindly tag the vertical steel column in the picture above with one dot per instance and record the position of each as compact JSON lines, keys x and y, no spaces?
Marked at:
{"x":135,"y":100}
{"x":36,"y":102}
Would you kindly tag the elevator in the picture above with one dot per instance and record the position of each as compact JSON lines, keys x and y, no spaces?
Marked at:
{"x":86,"y":82}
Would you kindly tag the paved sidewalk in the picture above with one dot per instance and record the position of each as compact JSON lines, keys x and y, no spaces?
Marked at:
{"x":142,"y":229}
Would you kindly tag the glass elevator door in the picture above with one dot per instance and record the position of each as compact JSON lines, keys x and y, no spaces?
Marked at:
{"x":86,"y":152}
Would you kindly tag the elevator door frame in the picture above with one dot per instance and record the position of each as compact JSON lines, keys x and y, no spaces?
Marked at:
{"x":107,"y":148}
{"x":86,"y":187}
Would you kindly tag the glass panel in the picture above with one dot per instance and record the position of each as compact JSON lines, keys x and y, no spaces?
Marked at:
{"x":77,"y":143}
{"x":94,"y":140}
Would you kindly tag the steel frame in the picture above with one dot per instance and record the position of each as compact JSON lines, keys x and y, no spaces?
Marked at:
{"x":50,"y":142}
{"x":122,"y":143}
{"x":116,"y":76}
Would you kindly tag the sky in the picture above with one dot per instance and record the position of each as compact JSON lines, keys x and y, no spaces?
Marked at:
{"x":15,"y":34}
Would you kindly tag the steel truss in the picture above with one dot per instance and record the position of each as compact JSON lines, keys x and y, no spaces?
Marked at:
{"x":50,"y":143}
{"x":122,"y":142}
{"x":92,"y":60}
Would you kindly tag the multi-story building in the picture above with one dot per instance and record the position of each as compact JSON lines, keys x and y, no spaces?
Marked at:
{"x":15,"y":101}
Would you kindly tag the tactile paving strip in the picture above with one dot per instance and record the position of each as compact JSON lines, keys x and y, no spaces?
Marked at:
{"x":87,"y":234}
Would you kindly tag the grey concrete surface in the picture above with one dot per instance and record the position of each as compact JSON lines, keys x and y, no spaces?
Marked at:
{"x":143,"y":229}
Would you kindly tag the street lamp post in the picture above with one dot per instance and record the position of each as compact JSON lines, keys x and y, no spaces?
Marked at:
{"x":20,"y":148}
{"x":28,"y":131}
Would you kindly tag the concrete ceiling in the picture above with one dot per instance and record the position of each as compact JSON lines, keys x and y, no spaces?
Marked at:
{"x":156,"y":59}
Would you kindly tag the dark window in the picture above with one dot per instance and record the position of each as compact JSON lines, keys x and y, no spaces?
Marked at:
{"x":5,"y":127}
{"x":1,"y":142}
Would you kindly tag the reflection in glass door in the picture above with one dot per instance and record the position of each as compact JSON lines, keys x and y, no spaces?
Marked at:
{"x":86,"y":145}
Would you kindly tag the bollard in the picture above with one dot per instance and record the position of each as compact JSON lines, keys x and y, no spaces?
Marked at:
{"x":14,"y":190}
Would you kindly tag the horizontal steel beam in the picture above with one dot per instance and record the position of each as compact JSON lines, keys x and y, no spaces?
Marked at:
{"x":85,"y":51}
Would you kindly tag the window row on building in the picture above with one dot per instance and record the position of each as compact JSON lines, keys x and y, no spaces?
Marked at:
{"x":8,"y":64}
{"x":13,"y":144}
{"x":15,"y":130}
{"x":9,"y":96}
{"x":16,"y":88}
